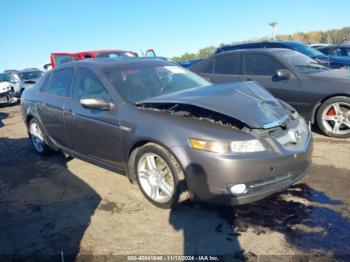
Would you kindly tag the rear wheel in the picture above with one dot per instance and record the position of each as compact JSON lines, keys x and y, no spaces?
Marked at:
{"x":38,"y":139}
{"x":159,"y":176}
{"x":333,"y":117}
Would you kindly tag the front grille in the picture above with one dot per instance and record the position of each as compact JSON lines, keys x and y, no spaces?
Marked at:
{"x":295,"y":136}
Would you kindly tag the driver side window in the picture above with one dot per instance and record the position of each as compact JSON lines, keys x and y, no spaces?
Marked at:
{"x":87,"y":84}
{"x":261,"y":64}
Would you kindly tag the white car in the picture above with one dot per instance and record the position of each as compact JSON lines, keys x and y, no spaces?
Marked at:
{"x":7,"y":92}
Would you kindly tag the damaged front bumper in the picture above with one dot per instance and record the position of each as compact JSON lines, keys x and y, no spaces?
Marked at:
{"x":211,"y":176}
{"x":7,"y":96}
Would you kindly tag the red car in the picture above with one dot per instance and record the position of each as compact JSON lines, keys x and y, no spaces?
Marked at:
{"x":59,"y":58}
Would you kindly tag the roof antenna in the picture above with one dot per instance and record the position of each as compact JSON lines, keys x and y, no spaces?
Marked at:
{"x":274,"y":29}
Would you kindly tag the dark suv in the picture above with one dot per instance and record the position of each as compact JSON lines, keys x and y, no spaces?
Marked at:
{"x":335,"y":50}
{"x":320,"y":94}
{"x":329,"y":60}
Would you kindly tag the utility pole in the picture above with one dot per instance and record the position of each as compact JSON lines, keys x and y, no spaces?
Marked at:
{"x":274,"y":29}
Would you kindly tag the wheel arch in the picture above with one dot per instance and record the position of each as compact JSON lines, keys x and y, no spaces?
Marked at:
{"x":132,"y":153}
{"x":318,"y":105}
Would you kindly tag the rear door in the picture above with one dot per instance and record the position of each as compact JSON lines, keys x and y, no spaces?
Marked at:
{"x":93,"y":133}
{"x":262,"y":68}
{"x":54,"y":95}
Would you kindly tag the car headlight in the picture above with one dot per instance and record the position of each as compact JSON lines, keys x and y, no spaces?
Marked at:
{"x":221,"y":147}
{"x":247,"y":146}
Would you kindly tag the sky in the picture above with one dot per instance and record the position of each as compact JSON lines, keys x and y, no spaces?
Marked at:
{"x":31,"y":30}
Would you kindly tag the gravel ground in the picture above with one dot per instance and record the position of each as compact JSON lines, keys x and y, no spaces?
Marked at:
{"x":62,"y":206}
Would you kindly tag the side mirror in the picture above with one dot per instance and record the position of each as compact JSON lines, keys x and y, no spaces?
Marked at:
{"x":96,"y":103}
{"x":284,"y":74}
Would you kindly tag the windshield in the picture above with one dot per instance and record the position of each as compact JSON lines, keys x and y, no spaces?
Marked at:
{"x":114,"y":54}
{"x":300,"y":62}
{"x":306,"y":50}
{"x":140,"y":81}
{"x":30,"y":75}
{"x":4,"y":77}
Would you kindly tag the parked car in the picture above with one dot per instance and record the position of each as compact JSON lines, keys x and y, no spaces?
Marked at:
{"x":334,"y":62}
{"x":27,"y":77}
{"x":317,"y":45}
{"x":7,"y":93}
{"x":335,"y":50}
{"x":320,"y":94}
{"x":59,"y":58}
{"x":169,"y":130}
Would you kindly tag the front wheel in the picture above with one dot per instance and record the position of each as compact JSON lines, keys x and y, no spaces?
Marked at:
{"x":38,"y":140}
{"x":333,"y":117}
{"x":159,"y":176}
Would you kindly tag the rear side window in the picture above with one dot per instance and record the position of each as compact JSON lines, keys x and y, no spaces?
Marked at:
{"x":205,"y":66}
{"x":228,"y":64}
{"x":260,"y":64}
{"x":87,"y":84}
{"x":60,"y":82}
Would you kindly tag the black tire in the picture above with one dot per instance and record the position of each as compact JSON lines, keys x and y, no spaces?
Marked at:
{"x":180,"y":193}
{"x":46,"y":150}
{"x":323,"y":107}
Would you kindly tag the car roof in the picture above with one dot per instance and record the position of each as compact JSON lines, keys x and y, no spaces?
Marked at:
{"x":247,"y":44}
{"x":108,"y":62}
{"x":256,"y":50}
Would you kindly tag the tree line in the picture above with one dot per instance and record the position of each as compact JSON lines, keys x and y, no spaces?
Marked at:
{"x":333,"y":36}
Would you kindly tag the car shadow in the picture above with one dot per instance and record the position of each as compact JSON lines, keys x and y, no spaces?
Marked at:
{"x":306,"y":217}
{"x":44,"y":208}
{"x":3,"y":116}
{"x":204,"y":229}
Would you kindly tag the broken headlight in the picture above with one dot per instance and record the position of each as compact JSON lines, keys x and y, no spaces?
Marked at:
{"x":221,"y":147}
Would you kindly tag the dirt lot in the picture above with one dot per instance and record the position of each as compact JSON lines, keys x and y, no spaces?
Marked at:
{"x":57,"y":204}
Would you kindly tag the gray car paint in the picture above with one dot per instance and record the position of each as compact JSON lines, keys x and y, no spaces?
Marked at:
{"x":229,"y":99}
{"x":305,"y":92}
{"x":107,"y":138}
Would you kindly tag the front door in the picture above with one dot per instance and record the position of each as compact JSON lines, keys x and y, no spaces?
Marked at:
{"x":263,"y":68}
{"x":94,"y":133}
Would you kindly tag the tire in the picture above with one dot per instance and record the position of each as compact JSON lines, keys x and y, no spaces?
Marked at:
{"x":38,"y":138}
{"x":333,"y":117}
{"x":169,"y":173}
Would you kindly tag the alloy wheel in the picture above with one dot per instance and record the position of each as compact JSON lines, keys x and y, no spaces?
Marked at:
{"x":156,"y":178}
{"x":336,"y":118}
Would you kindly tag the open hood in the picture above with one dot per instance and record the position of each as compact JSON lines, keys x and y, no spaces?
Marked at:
{"x":247,"y":102}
